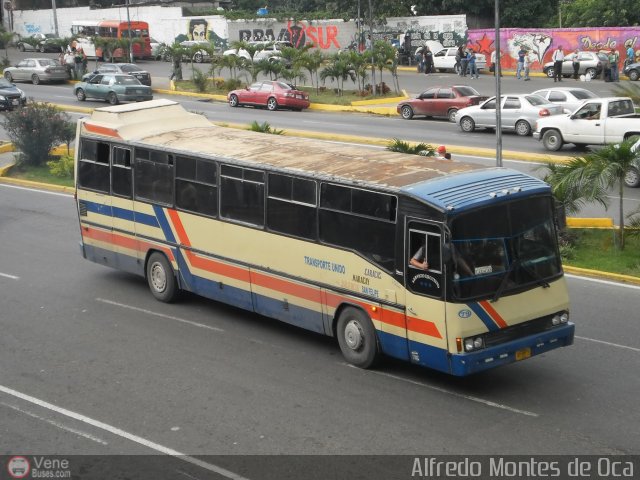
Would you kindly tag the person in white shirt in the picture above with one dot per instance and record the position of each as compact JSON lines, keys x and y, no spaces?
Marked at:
{"x":558,"y":58}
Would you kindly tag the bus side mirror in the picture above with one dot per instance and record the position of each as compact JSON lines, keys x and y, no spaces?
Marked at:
{"x":446,"y":253}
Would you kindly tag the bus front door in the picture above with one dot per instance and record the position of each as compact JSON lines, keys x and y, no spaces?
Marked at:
{"x":425,"y":307}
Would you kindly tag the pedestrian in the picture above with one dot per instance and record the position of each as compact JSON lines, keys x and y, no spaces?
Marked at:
{"x":494,"y":65}
{"x":613,"y":60}
{"x":520,"y":63}
{"x":472,"y":65}
{"x":630,"y":55}
{"x":458,"y":66}
{"x":77,"y":62}
{"x":526,"y":65}
{"x":575,"y":61}
{"x":606,"y":68}
{"x":558,"y":60}
{"x":69,"y":63}
{"x":428,"y":60}
{"x":464,"y":62}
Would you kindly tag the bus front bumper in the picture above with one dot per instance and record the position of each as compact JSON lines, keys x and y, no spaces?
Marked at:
{"x":520,"y":349}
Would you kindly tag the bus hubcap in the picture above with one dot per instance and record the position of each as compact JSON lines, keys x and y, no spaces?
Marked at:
{"x":353,"y":335}
{"x":158,"y":278}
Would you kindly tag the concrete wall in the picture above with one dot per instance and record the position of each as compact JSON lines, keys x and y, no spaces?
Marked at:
{"x":166,"y":24}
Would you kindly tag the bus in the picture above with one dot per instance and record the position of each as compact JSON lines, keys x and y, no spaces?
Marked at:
{"x":85,"y":30}
{"x":440,"y":263}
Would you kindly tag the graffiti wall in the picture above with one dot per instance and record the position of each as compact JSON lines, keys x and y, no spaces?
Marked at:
{"x":327,"y":35}
{"x":212,"y":29}
{"x":449,"y":30}
{"x":540,"y":43}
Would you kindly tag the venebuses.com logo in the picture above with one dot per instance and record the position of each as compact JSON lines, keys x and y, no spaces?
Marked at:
{"x":18,"y":467}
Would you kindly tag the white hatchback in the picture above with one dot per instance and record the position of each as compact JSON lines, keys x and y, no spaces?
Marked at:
{"x":569,"y":97}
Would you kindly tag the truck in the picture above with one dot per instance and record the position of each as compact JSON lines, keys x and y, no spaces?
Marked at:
{"x":597,"y":121}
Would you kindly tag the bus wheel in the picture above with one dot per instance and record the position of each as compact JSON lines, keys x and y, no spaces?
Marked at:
{"x":357,"y":338}
{"x":161,"y":279}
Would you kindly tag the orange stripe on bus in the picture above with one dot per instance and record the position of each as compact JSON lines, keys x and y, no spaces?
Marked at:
{"x":124,"y":241}
{"x":285,"y":286}
{"x":108,"y":132}
{"x":493,"y":314}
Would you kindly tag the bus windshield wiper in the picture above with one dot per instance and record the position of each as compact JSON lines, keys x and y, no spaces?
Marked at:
{"x":503,"y":284}
{"x":539,"y":280}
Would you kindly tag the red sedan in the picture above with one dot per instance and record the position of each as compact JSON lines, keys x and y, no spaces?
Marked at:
{"x":270,"y":94}
{"x":440,"y":102}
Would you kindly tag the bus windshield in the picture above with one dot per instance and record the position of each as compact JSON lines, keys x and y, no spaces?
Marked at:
{"x":503,"y":249}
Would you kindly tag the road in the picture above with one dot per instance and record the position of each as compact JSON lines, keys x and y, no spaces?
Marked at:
{"x":92,"y":364}
{"x":435,"y":132}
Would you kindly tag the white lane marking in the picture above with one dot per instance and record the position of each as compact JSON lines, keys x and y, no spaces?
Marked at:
{"x":605,"y":282}
{"x":121,"y":433}
{"x":488,"y":403}
{"x":6,"y":275}
{"x":56,"y":424}
{"x":157,"y":314}
{"x":617,"y":345}
{"x":28,"y":189}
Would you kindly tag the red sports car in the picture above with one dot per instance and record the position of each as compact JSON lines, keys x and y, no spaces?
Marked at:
{"x":270,"y":94}
{"x":440,"y":102}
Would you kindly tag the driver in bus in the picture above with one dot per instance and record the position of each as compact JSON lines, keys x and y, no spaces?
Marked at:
{"x":419,"y":259}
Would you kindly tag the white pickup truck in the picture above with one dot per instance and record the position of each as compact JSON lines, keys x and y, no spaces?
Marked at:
{"x":596,"y":121}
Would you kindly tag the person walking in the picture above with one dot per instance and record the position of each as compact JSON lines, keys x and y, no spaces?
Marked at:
{"x":520,"y":64}
{"x":459,"y":54}
{"x":428,"y":61}
{"x":464,"y":62}
{"x":70,"y":64}
{"x":558,"y":59}
{"x":575,"y":61}
{"x":630,"y":55}
{"x":473,"y":71}
{"x":526,"y":65}
{"x":613,"y":60}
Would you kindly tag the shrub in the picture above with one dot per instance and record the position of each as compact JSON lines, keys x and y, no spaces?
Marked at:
{"x":35,"y":130}
{"x":62,"y":166}
{"x":264,"y":128}
{"x":232,"y":84}
{"x":200,"y":81}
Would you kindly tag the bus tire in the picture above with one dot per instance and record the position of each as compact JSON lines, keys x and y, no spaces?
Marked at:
{"x":357,"y":338}
{"x":161,"y":278}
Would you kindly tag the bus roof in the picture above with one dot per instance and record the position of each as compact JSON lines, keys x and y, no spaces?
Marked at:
{"x":445,"y":184}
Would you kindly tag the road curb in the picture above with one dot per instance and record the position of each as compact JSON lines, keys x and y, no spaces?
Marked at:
{"x":585,"y":272}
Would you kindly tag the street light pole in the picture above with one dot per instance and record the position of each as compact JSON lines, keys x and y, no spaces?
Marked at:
{"x":129,"y":30}
{"x":373,"y":67}
{"x":55,"y":17}
{"x":498,"y":73}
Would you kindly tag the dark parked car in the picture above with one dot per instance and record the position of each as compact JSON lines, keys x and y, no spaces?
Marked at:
{"x":11,"y":96}
{"x":40,"y":42}
{"x":632,"y":71}
{"x":440,"y":102}
{"x":114,"y":88}
{"x":124,"y":68}
{"x":270,"y":94}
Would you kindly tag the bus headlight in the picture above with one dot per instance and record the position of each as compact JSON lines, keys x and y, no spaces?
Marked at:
{"x":473,"y":343}
{"x":561,"y":317}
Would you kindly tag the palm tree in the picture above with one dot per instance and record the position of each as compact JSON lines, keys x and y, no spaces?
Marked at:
{"x":359,"y":64}
{"x":590,"y":178}
{"x":174,"y":53}
{"x":382,"y":57}
{"x":5,"y":40}
{"x":338,"y":70}
{"x":312,"y":61}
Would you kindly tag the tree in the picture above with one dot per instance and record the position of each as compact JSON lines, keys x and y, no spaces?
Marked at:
{"x":338,"y":70}
{"x":174,"y":53}
{"x":36,"y":121}
{"x":312,"y":61}
{"x":5,"y":40}
{"x":590,"y":178}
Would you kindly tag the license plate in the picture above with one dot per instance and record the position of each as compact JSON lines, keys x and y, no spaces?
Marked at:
{"x":299,"y":96}
{"x":15,"y":101}
{"x":523,"y":354}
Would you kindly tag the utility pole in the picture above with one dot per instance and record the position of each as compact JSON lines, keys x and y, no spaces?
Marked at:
{"x":55,"y":17}
{"x":373,"y":67}
{"x":498,"y":72}
{"x":129,"y":30}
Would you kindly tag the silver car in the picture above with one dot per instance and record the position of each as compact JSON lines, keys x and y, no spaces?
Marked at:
{"x":591,"y":63}
{"x":36,"y":70}
{"x":569,"y":97}
{"x":519,"y":113}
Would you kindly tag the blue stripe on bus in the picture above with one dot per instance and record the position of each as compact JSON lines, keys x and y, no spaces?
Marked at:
{"x":164,"y":224}
{"x":122,"y":213}
{"x":484,"y":316}
{"x":393,"y":345}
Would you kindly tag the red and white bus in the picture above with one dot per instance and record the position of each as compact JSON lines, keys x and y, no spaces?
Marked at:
{"x":86,"y":30}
